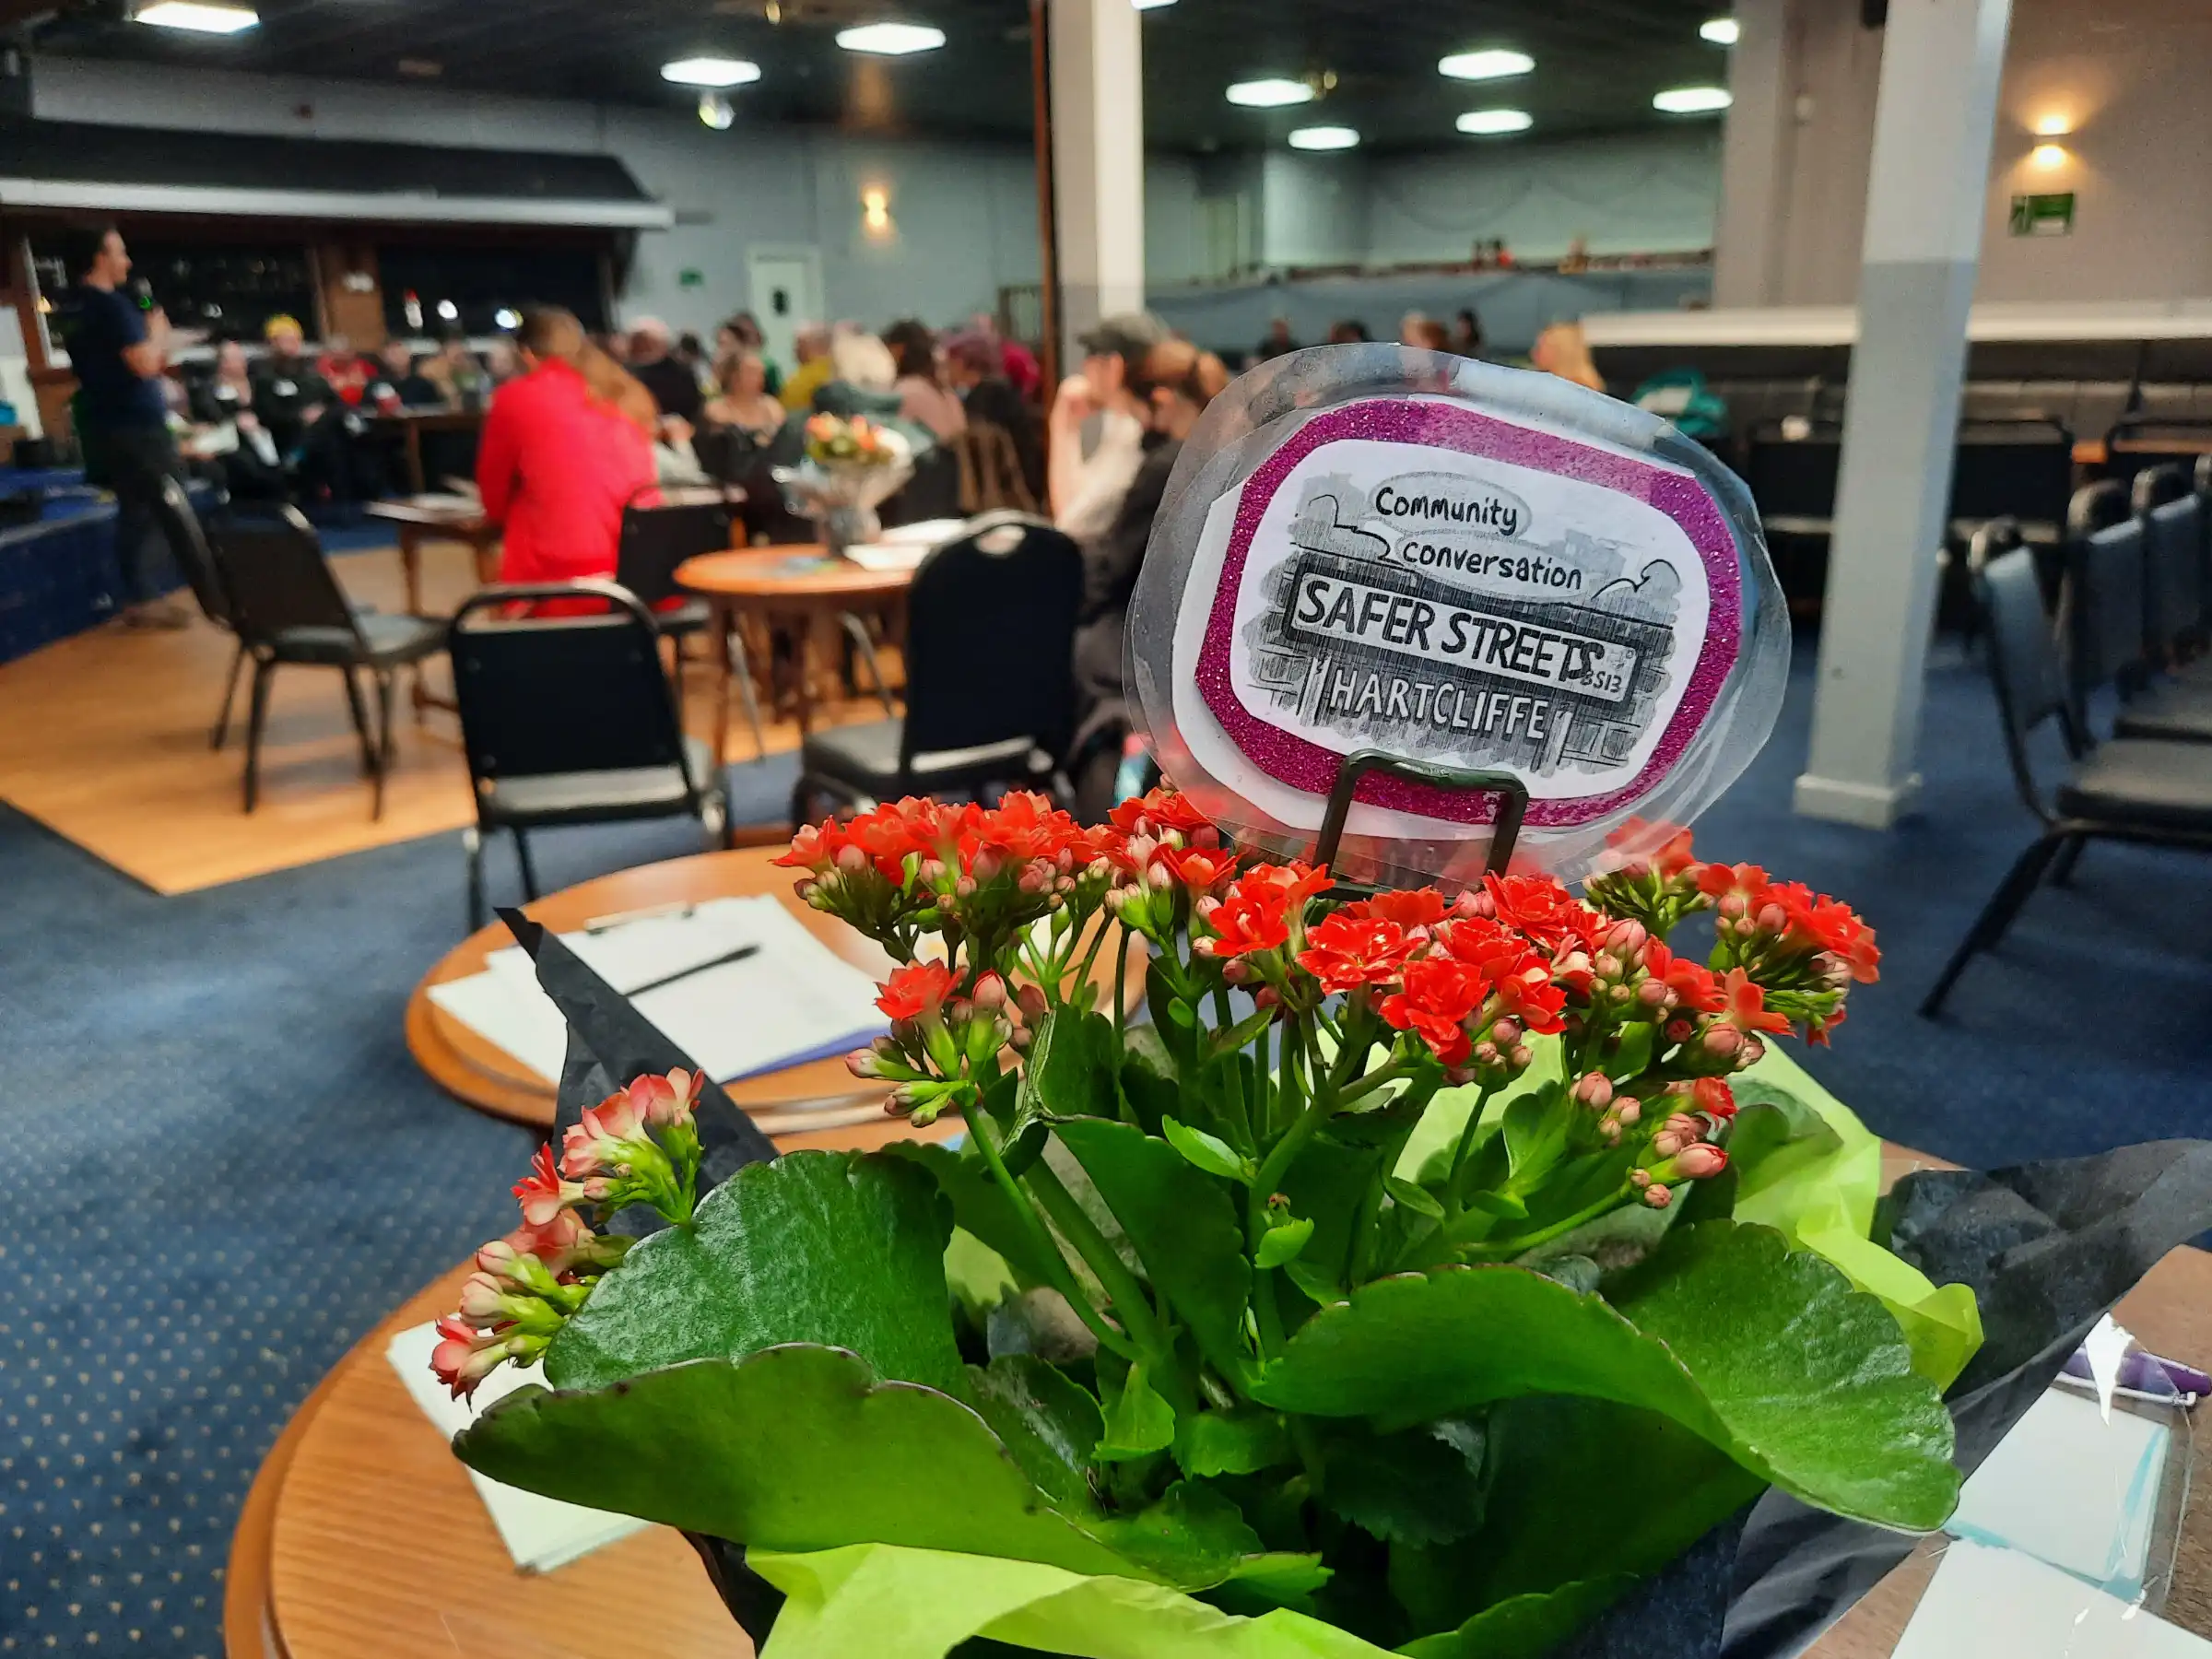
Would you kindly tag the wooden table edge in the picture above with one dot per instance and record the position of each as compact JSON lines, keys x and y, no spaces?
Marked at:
{"x":249,"y":1613}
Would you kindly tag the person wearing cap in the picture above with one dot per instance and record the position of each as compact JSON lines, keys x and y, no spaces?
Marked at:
{"x":674,"y":385}
{"x":1086,"y":491}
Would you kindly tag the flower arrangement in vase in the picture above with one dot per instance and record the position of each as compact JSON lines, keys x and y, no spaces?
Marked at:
{"x":851,"y":466}
{"x":1388,"y":1284}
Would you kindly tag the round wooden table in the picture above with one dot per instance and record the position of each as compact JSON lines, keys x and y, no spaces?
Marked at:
{"x":362,"y":1533}
{"x":485,"y":1076}
{"x":818,"y":1095}
{"x":800,"y":588}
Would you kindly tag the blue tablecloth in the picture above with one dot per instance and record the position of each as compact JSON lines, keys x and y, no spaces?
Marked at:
{"x":60,"y":576}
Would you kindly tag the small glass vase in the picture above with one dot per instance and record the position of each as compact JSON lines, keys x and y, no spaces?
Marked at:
{"x":849,"y":527}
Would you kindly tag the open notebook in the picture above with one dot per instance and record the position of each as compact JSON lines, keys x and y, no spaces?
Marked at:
{"x":541,"y":1534}
{"x":791,"y":999}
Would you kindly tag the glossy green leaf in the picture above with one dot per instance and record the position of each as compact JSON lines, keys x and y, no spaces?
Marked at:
{"x":1148,"y":1078}
{"x":1769,"y":1354}
{"x":1279,"y":1245}
{"x":1527,"y":1626}
{"x":797,"y":1448}
{"x":1222,"y":1443}
{"x":1070,"y":1070}
{"x":1138,"y":1422}
{"x":1208,"y":1152}
{"x":978,"y":1277}
{"x":980,"y":1206}
{"x":1181,"y":1223}
{"x":1413,"y":1196}
{"x":838,"y":1248}
{"x":1047,"y":1421}
{"x":1419,"y":1486}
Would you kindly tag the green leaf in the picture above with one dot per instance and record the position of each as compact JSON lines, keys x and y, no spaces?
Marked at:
{"x":1148,"y":1078}
{"x":1138,"y":1422}
{"x":797,"y":1448}
{"x":1048,"y":1422}
{"x":1181,"y":1223}
{"x":1419,"y":1486}
{"x":1314,"y":1282}
{"x":1527,"y":1626}
{"x":888,"y":1603}
{"x":1209,"y":1152}
{"x":980,"y":1206}
{"x":1535,"y":1134}
{"x":977,"y":1275}
{"x":1327,"y":1185}
{"x":1281,"y":1244}
{"x":1766,"y":1353}
{"x":1222,"y":1443}
{"x":1414,"y":1197}
{"x":1176,"y":1022}
{"x":1504,"y":1206}
{"x":1069,"y":1073}
{"x":838,"y":1248}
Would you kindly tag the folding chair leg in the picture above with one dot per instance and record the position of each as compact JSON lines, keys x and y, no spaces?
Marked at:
{"x":383,"y":766}
{"x":257,"y":721}
{"x":2062,"y":872}
{"x":472,"y":848}
{"x":1995,"y":917}
{"x":360,"y":723}
{"x":222,"y":719}
{"x":741,"y":670}
{"x":522,"y":857}
{"x":857,"y":631}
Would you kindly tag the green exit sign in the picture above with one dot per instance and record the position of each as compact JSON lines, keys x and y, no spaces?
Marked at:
{"x":2044,"y":215}
{"x":692,"y":278}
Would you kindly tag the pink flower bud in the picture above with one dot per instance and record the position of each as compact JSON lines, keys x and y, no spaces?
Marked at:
{"x":1679,"y":1030}
{"x":1652,"y":993}
{"x":1639,"y":1179}
{"x":1457,"y":1075}
{"x":1701,"y":1162}
{"x":1033,"y":1001}
{"x":931,"y":870}
{"x":1595,"y":1089}
{"x":1626,"y":938}
{"x":483,"y":1300}
{"x":1523,"y":1057}
{"x":1234,"y":971}
{"x":986,"y":864}
{"x":1619,"y":994}
{"x":1723,"y":1041}
{"x":964,"y":887}
{"x":1733,"y":906}
{"x":861,"y":1063}
{"x":1266,"y":997}
{"x":852,"y":860}
{"x":1658,"y":1196}
{"x":1627,"y":1110}
{"x":1486,"y":1053}
{"x":991,"y":992}
{"x":805,"y":890}
{"x":1745,"y":927}
{"x":1773,"y":919}
{"x":1506,"y":1032}
{"x":1685,"y":1128}
{"x":1667,"y":1145}
{"x":1605,"y":965}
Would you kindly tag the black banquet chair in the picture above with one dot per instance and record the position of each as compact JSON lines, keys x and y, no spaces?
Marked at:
{"x":656,"y":539}
{"x":187,"y":539}
{"x":2128,"y":790}
{"x":287,"y":611}
{"x":990,"y":688}
{"x":570,"y":719}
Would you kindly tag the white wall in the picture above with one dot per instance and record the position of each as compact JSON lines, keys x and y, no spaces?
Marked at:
{"x":965,"y":214}
{"x":2128,"y":74}
{"x":1653,"y":193}
{"x":1314,"y":208}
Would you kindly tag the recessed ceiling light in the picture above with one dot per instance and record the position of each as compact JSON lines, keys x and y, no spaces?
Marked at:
{"x":1150,"y":5}
{"x":1490,"y":122}
{"x":1691,"y":100}
{"x":197,"y":16}
{"x":1325,"y":138}
{"x":1485,"y":65}
{"x":710,"y":72}
{"x":715,"y":110}
{"x":891,"y":39}
{"x":1272,"y":94}
{"x":1720,"y":31}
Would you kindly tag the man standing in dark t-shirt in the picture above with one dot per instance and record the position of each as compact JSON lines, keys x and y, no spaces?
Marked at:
{"x":118,"y":352}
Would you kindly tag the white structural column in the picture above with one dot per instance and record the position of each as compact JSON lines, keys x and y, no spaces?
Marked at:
{"x":1932,"y":128}
{"x":1756,"y":153}
{"x":1098,"y":161}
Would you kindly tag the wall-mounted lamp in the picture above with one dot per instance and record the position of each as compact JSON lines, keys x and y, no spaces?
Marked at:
{"x":876,"y":211}
{"x":2048,"y":157}
{"x":2053,"y":126}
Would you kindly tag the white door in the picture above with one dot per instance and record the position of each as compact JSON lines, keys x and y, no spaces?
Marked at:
{"x":786,"y":285}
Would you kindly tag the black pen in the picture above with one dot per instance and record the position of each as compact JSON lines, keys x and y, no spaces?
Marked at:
{"x":737,"y":954}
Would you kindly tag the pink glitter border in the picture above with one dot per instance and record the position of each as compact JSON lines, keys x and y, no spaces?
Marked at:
{"x":1305,"y":765}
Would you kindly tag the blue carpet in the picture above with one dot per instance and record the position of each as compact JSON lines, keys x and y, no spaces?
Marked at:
{"x":223,"y":1167}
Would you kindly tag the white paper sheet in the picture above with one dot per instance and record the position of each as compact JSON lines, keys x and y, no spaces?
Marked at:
{"x":541,"y":1534}
{"x":1998,"y":1603}
{"x":794,"y":999}
{"x":2072,"y":1490}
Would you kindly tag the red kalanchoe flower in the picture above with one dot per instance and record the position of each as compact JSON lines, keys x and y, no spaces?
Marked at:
{"x":815,"y":847}
{"x":1199,"y":869}
{"x":1158,"y":812}
{"x":1543,"y":909}
{"x":1744,"y":883}
{"x":543,"y":1193}
{"x":1345,"y":950}
{"x":1257,"y":912}
{"x":1438,"y":996}
{"x":1670,"y":844}
{"x":1417,"y":907}
{"x":1528,"y":996}
{"x":1696,"y":989}
{"x":1714,"y":1097}
{"x":1744,"y":1005}
{"x":916,"y":991}
{"x":662,"y":1101}
{"x":1487,"y":945}
{"x":1831,"y":925}
{"x":465,"y":1356}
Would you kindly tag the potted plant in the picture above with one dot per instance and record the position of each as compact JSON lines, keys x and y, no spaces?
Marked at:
{"x":1431,"y":1274}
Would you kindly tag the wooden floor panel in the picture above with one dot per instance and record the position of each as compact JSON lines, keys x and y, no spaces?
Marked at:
{"x":103,"y":738}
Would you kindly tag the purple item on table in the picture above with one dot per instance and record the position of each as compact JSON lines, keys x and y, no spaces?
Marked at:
{"x":2147,"y":1372}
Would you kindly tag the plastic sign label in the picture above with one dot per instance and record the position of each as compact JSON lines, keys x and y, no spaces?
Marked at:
{"x":1416,"y":575}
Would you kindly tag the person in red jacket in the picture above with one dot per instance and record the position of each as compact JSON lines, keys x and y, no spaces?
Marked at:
{"x":559,"y":462}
